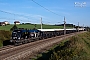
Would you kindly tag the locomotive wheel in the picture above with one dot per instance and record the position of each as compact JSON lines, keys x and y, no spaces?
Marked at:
{"x":16,"y":44}
{"x":25,"y":41}
{"x":29,"y":41}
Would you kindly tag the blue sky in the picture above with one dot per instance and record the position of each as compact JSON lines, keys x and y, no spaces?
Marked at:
{"x":71,"y":9}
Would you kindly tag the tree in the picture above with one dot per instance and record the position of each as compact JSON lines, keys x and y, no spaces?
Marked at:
{"x":13,"y":28}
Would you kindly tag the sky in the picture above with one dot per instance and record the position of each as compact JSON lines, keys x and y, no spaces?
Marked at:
{"x":51,"y":11}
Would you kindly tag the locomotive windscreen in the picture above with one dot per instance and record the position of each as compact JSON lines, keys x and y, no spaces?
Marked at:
{"x":17,"y":31}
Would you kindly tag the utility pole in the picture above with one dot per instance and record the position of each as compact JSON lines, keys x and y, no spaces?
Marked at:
{"x":78,"y":26}
{"x":64,"y":26}
{"x":14,"y":18}
{"x":73,"y":26}
{"x":41,"y":22}
{"x":83,"y":27}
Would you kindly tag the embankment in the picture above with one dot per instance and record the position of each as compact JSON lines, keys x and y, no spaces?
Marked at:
{"x":74,"y":48}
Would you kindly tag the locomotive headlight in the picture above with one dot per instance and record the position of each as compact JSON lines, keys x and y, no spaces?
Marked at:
{"x":14,"y":37}
{"x":19,"y":38}
{"x":32,"y":34}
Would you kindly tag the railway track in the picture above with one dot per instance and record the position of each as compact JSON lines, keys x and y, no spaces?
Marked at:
{"x":6,"y":47}
{"x":27,"y":50}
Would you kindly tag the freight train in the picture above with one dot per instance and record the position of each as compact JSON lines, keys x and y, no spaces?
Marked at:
{"x":22,"y":36}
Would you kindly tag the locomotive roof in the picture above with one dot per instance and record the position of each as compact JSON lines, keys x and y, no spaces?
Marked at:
{"x":33,"y":30}
{"x":55,"y":29}
{"x":23,"y":30}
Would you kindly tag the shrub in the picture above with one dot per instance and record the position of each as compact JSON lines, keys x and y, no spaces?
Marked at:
{"x":5,"y":35}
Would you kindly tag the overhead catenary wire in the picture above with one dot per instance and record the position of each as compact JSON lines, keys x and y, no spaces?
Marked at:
{"x":9,"y":18}
{"x":6,"y":18}
{"x":15,"y":14}
{"x":27,"y":16}
{"x":46,"y":8}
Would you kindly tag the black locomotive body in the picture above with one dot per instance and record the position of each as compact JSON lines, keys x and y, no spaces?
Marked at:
{"x":24,"y":36}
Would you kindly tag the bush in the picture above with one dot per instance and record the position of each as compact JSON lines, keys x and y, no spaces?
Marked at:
{"x":1,"y":43}
{"x":5,"y":35}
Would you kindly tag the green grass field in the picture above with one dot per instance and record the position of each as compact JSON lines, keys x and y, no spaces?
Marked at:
{"x":31,"y":26}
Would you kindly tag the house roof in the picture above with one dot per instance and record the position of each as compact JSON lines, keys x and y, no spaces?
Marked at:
{"x":2,"y":22}
{"x":16,"y":22}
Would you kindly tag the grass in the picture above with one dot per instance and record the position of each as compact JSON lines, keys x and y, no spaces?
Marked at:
{"x":74,"y":48}
{"x":31,"y":26}
{"x":6,"y":27}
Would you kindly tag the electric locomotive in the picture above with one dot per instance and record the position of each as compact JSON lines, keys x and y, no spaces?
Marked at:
{"x":24,"y":36}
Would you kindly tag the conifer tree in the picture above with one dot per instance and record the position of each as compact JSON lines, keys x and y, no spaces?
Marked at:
{"x":14,"y":27}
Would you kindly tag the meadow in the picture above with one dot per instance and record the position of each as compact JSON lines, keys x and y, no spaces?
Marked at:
{"x":31,"y":26}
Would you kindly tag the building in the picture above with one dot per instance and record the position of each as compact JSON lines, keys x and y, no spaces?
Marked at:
{"x":17,"y":22}
{"x":2,"y":24}
{"x":6,"y":22}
